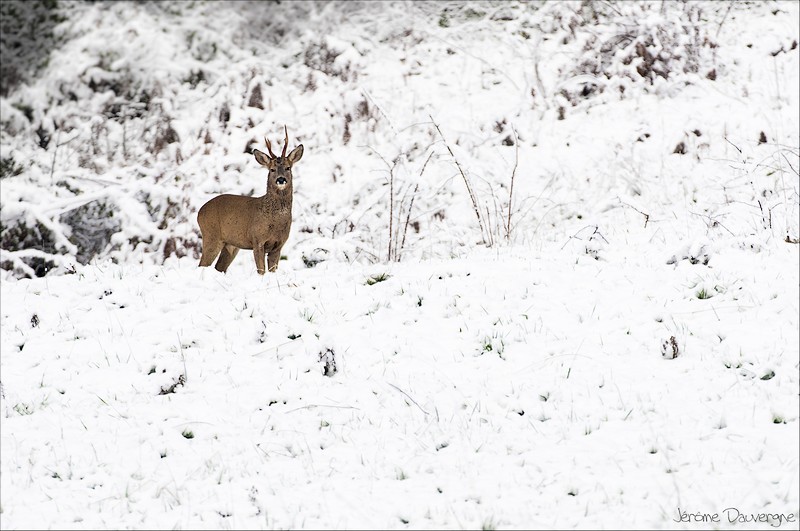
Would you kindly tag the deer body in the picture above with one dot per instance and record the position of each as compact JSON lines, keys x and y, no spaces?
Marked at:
{"x":261,"y":224}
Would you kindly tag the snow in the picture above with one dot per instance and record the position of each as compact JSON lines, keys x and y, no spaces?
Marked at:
{"x":628,"y":352}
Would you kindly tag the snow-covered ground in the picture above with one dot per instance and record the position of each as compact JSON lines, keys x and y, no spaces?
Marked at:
{"x":623,"y":354}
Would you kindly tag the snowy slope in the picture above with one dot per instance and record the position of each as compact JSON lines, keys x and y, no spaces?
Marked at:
{"x":446,"y":373}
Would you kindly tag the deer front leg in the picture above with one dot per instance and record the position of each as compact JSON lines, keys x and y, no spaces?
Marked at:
{"x":273,"y":259}
{"x":258,"y":254}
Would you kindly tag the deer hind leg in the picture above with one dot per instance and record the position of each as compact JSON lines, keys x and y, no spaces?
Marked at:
{"x":226,"y":257}
{"x":211,"y":249}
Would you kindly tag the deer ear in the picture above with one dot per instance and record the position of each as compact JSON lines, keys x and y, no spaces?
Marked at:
{"x":261,"y":158}
{"x":296,"y":154}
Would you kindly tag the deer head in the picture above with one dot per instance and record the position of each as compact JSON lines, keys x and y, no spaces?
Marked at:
{"x":280,"y":168}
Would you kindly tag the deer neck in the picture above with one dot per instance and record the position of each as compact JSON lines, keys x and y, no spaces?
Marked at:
{"x":278,"y":200}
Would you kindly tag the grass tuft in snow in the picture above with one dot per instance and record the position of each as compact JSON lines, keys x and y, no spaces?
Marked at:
{"x":171,"y":388}
{"x":374,"y":279}
{"x":23,"y":409}
{"x":703,"y":294}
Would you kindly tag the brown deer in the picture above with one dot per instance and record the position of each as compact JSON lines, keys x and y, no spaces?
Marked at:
{"x":232,"y":222}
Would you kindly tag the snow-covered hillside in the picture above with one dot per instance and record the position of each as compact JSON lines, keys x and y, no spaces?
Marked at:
{"x":543,"y":269}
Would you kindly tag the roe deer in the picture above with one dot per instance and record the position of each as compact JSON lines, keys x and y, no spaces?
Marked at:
{"x":232,"y":222}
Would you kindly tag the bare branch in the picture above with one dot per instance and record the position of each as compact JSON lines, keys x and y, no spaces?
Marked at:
{"x":646,"y":216}
{"x":730,"y":6}
{"x":790,"y":164}
{"x":513,"y":174}
{"x":734,"y":145}
{"x":466,"y":181}
{"x":391,"y":209}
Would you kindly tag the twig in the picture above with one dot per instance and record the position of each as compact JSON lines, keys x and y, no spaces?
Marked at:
{"x":611,"y":7}
{"x":513,"y":174}
{"x":489,"y":226}
{"x":401,"y":203}
{"x":55,"y":153}
{"x":734,"y":145}
{"x":411,"y":205}
{"x":391,"y":209}
{"x":575,"y":236}
{"x":536,"y":200}
{"x":711,"y":221}
{"x":646,"y":216}
{"x":376,"y":104}
{"x":183,"y":358}
{"x":466,"y":181}
{"x":537,"y":78}
{"x":790,"y":164}
{"x":391,"y":194}
{"x":408,"y":219}
{"x":407,"y":396}
{"x":730,"y":6}
{"x":361,"y":249}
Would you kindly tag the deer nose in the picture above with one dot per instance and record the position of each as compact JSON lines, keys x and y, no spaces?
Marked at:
{"x":281,"y":180}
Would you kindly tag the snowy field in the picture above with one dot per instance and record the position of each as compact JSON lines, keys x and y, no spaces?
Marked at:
{"x":611,"y":343}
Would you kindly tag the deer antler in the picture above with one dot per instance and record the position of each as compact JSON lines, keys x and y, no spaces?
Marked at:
{"x":286,"y":142}
{"x":269,"y":148}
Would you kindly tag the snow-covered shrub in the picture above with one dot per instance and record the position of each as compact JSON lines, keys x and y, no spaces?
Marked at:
{"x":653,"y":46}
{"x":25,"y":235}
{"x":90,"y":228}
{"x":26,"y":38}
{"x":9,"y":167}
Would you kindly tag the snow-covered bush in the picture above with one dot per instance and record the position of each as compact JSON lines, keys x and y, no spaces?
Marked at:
{"x":26,"y":37}
{"x":626,"y":48}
